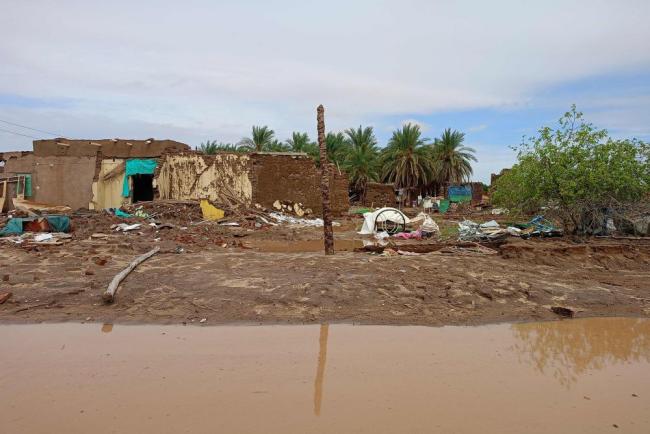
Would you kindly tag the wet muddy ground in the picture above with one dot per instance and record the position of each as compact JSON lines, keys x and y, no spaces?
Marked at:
{"x":279,"y":278}
{"x":569,"y":376}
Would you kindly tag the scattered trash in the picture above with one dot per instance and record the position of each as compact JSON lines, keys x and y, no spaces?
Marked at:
{"x":210,"y":212}
{"x":539,"y":226}
{"x":42,"y":237}
{"x":119,"y":213}
{"x":123,"y":227}
{"x":390,"y":220}
{"x":417,"y":235}
{"x":49,"y":223}
{"x":283,"y":218}
{"x":499,"y":211}
{"x":471,"y":231}
{"x":203,"y":320}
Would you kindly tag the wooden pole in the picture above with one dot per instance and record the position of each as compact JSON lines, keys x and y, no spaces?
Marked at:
{"x":109,"y":295}
{"x":325,"y":182}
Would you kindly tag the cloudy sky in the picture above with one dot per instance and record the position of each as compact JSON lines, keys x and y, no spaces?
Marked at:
{"x":198,"y":70}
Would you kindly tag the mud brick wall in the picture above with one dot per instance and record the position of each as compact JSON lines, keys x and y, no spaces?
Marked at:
{"x":57,"y":180}
{"x":477,"y":193}
{"x":380,"y":195}
{"x":192,"y":175}
{"x":120,"y":148}
{"x":295,"y":178}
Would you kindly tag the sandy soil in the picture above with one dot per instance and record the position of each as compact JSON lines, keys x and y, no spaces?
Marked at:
{"x":221,"y":275}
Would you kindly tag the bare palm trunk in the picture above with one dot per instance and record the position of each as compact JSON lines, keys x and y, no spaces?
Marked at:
{"x":325,"y":182}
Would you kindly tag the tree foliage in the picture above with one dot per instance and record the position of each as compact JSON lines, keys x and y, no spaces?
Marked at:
{"x":407,"y":160}
{"x":452,"y":160}
{"x":213,"y":147}
{"x":578,"y":173}
{"x":260,"y":140}
{"x":361,"y":160}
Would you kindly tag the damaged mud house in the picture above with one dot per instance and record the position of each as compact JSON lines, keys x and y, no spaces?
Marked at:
{"x":109,"y":173}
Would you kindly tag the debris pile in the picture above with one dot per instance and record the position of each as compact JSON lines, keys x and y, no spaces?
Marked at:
{"x":289,"y":207}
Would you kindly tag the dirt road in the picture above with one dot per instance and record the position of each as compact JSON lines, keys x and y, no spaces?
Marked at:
{"x":223,"y":285}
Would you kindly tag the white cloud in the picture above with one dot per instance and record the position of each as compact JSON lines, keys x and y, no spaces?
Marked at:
{"x":199,"y":68}
{"x":477,"y":128}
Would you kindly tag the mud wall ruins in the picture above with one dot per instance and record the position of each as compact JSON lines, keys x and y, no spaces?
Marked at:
{"x":380,"y":195}
{"x":187,"y":176}
{"x":295,"y":178}
{"x":90,"y":174}
{"x":69,"y":172}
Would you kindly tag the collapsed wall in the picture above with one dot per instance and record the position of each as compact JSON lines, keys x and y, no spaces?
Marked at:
{"x":186,"y":176}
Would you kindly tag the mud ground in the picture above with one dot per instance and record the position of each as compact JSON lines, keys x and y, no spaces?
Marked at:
{"x":232,"y":275}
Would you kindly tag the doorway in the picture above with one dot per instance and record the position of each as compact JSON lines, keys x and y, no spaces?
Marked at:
{"x":142,"y":187}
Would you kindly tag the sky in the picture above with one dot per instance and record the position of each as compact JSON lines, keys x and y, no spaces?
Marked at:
{"x":209,"y":70}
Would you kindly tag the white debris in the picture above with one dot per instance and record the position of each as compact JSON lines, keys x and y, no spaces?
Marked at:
{"x":43,"y":237}
{"x":381,"y":215}
{"x":125,"y":227}
{"x":283,"y":218}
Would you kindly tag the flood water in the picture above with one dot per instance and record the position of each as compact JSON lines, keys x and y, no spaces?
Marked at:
{"x":578,"y":376}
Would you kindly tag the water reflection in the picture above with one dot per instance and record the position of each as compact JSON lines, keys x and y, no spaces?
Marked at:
{"x":107,"y":328}
{"x":567,"y":349}
{"x":320,"y":370}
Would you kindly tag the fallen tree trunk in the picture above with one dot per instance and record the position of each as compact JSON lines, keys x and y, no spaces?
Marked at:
{"x":109,"y":295}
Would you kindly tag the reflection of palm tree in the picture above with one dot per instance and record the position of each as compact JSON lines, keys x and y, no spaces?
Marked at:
{"x":320,"y":370}
{"x":568,"y":349}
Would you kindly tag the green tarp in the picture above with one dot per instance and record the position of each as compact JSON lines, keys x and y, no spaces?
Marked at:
{"x":57,"y":223}
{"x":135,"y":167}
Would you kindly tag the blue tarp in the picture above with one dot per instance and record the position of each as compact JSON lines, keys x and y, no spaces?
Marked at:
{"x":135,"y":167}
{"x":57,"y":223}
{"x":459,"y":193}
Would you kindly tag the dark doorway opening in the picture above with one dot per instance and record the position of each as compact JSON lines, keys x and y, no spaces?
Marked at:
{"x":142,"y":187}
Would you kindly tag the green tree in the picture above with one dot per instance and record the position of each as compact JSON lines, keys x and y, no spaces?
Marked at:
{"x":261,"y":138}
{"x":361,"y":159}
{"x":300,"y":142}
{"x":277,"y":146}
{"x":213,"y":147}
{"x":337,"y":149}
{"x":578,"y":174}
{"x":452,"y":160}
{"x":209,"y":147}
{"x":407,"y":160}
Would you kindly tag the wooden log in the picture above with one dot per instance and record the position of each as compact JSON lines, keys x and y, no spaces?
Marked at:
{"x":109,"y":295}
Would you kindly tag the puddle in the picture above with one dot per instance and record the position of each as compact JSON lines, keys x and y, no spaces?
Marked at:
{"x":579,"y":376}
{"x":302,"y":246}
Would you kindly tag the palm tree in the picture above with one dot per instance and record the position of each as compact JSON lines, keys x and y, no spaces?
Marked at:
{"x":337,"y":148}
{"x":212,"y":147}
{"x":209,"y":147}
{"x":407,"y":159}
{"x":277,"y":146}
{"x":361,"y":163}
{"x":261,"y":138}
{"x":299,"y":142}
{"x":452,"y":159}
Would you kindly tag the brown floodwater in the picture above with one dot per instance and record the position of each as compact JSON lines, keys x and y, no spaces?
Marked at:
{"x":301,"y":246}
{"x":574,"y":376}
